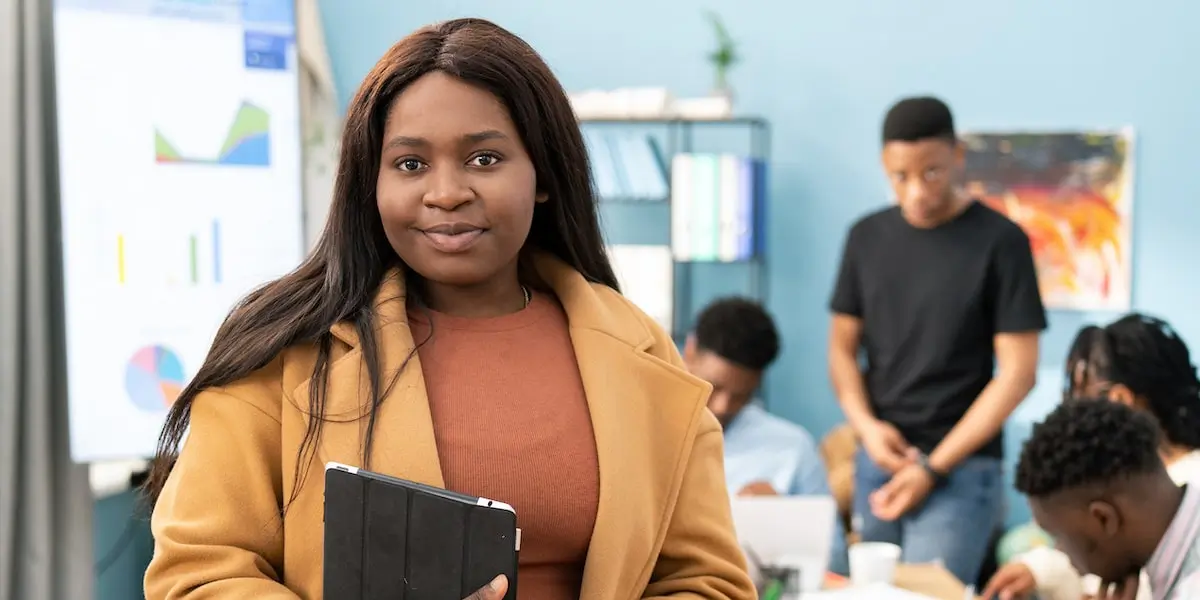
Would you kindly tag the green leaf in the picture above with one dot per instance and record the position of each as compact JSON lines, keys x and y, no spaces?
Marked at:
{"x":723,"y":37}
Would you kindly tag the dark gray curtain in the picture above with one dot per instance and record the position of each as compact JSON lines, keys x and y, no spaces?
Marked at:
{"x":45,"y":500}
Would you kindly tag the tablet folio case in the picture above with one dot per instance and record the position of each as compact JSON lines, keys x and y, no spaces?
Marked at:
{"x":388,"y":541}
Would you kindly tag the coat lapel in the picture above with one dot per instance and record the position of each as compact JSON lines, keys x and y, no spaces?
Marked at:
{"x":644,"y":412}
{"x":403,"y":444}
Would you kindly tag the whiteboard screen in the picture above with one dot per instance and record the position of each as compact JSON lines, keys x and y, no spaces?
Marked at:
{"x":179,"y":167}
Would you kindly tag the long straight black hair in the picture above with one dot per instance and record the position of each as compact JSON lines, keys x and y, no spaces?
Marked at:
{"x":338,"y":280}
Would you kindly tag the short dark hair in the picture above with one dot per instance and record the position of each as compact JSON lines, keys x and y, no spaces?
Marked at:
{"x":739,"y":330}
{"x":1087,"y":442}
{"x":919,"y":118}
{"x":1144,"y":354}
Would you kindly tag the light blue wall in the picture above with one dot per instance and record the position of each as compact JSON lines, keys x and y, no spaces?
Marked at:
{"x":824,"y":73}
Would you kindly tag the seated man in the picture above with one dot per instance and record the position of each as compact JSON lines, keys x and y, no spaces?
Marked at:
{"x":1097,"y":485}
{"x":735,"y":340}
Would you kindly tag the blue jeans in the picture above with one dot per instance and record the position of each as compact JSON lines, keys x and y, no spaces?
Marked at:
{"x":953,"y":526}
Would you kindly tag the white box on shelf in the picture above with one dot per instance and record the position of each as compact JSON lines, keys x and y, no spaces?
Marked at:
{"x":646,"y":274}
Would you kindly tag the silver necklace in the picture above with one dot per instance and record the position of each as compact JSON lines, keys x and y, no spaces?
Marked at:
{"x":528,"y":296}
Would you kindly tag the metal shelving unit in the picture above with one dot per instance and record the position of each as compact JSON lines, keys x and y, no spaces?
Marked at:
{"x":680,"y":137}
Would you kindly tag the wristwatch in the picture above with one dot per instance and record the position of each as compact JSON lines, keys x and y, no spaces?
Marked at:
{"x":939,"y":479}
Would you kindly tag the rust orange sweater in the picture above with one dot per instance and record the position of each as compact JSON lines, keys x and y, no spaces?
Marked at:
{"x":512,"y":424}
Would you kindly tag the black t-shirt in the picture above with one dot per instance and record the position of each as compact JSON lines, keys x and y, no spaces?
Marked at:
{"x":931,"y":301}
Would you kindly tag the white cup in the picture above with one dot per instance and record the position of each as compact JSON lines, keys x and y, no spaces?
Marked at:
{"x":873,"y":562}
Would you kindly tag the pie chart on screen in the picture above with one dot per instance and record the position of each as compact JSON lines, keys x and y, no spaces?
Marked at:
{"x":154,"y":378}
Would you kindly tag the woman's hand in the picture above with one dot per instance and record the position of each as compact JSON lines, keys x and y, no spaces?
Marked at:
{"x":492,"y":591}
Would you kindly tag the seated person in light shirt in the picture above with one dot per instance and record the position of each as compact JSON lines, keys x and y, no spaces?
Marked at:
{"x":734,"y":342}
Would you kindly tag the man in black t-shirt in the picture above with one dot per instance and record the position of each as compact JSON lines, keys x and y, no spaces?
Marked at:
{"x":941,"y":293}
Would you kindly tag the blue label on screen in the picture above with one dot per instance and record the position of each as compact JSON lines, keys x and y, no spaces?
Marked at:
{"x":266,"y":51}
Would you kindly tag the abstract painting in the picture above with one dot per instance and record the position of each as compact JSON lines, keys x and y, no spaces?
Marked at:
{"x":1072,"y":193}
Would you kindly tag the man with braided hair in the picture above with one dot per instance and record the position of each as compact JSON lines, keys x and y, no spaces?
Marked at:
{"x":1097,"y":484}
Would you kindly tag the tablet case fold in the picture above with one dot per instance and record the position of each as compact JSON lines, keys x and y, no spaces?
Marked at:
{"x":390,"y":539}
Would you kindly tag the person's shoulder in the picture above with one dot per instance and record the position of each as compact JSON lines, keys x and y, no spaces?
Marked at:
{"x":872,"y":221}
{"x":270,"y":385}
{"x":589,"y":303}
{"x":1189,"y":586}
{"x":779,"y":429}
{"x":1186,"y":470}
{"x":873,"y":229}
{"x":997,"y":224}
{"x":620,"y":313}
{"x":260,"y":388}
{"x":624,"y":312}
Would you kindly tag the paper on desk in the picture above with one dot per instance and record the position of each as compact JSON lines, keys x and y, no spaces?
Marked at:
{"x":879,"y":591}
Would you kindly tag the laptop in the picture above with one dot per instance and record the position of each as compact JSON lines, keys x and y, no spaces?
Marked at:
{"x":788,"y":530}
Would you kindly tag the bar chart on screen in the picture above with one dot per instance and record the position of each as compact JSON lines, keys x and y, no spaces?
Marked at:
{"x":157,"y":258}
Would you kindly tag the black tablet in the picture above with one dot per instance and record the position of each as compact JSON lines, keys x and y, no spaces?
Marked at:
{"x":401,"y":540}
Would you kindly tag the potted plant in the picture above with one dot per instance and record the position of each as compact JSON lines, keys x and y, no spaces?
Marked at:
{"x":723,"y":57}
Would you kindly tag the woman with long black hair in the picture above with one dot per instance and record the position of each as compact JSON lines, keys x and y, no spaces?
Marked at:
{"x":458,"y":324}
